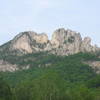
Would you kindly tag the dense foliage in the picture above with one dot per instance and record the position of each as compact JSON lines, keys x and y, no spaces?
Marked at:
{"x":50,"y":77}
{"x":5,"y":91}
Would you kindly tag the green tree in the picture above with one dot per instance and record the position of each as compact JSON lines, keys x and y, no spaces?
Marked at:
{"x":48,"y":86}
{"x":80,"y":93}
{"x":5,"y":91}
{"x":94,"y":83}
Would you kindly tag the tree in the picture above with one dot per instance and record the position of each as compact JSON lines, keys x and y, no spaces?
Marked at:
{"x":48,"y":86}
{"x":5,"y":91}
{"x":80,"y":93}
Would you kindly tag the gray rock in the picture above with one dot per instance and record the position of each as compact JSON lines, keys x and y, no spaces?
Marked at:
{"x":29,"y":42}
{"x":63,"y":42}
{"x":95,"y":65}
{"x":5,"y":66}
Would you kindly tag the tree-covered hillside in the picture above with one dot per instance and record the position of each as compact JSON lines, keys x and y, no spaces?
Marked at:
{"x":50,"y":77}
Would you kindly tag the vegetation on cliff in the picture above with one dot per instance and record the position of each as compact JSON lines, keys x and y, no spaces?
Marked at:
{"x":50,"y":77}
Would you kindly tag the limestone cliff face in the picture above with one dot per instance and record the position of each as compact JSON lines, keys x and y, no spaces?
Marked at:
{"x":28,"y":42}
{"x":21,"y":43}
{"x":66,"y":42}
{"x":87,"y":47}
{"x":63,"y":42}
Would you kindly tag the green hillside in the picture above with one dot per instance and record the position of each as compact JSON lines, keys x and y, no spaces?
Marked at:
{"x":50,"y":77}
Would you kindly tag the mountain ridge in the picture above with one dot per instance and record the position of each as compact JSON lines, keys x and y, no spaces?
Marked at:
{"x":63,"y":42}
{"x":17,"y":53}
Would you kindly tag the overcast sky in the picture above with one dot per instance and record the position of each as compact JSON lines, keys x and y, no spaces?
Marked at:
{"x":47,"y":15}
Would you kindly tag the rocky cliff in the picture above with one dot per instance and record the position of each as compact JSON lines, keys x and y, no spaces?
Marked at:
{"x":63,"y":42}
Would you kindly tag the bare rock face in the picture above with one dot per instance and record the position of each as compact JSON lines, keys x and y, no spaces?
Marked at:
{"x":41,"y":38}
{"x":63,"y":42}
{"x":21,"y":43}
{"x":87,"y":47}
{"x":66,"y":42}
{"x":29,"y":42}
{"x":58,"y":37}
{"x":95,"y":65}
{"x":5,"y":66}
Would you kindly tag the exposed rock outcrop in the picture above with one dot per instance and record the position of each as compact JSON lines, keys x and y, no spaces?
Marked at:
{"x":28,"y":42}
{"x":66,"y":42}
{"x":5,"y":66}
{"x":21,"y":43}
{"x":63,"y":42}
{"x":95,"y":65}
{"x":87,"y":47}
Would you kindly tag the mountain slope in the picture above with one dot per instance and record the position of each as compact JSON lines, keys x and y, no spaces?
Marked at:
{"x":19,"y":51}
{"x":42,"y":71}
{"x":70,"y":68}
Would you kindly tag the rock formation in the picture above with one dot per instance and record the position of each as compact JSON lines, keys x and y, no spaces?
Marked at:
{"x":95,"y":65}
{"x":5,"y":66}
{"x":28,"y":42}
{"x":63,"y":42}
{"x":66,"y":42}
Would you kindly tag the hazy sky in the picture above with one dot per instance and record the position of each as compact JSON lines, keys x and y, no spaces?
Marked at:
{"x":47,"y":15}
